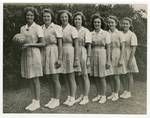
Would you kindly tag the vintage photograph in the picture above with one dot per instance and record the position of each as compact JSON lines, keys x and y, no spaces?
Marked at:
{"x":72,"y":58}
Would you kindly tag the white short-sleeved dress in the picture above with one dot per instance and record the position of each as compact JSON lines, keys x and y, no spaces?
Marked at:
{"x":84,"y":37}
{"x":50,"y":51}
{"x":98,"y":56}
{"x":31,"y":64}
{"x":69,"y":34}
{"x":130,"y":40}
{"x":116,"y":40}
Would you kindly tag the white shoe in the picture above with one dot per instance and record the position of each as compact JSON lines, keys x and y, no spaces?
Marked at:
{"x":71,"y":102}
{"x":95,"y":99}
{"x":46,"y":105}
{"x":127,"y":95}
{"x":123,"y":94}
{"x":102,"y":100}
{"x":84,"y":101}
{"x":33,"y":100}
{"x":67,"y":100}
{"x":79,"y":99}
{"x":54,"y":104}
{"x":115,"y":97}
{"x":111,"y":96}
{"x":34,"y":106}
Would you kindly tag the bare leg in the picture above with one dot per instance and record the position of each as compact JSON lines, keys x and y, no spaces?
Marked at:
{"x":117,"y":83}
{"x":37,"y":88}
{"x":97,"y":83}
{"x":72,"y":84}
{"x":112,"y":84}
{"x":56,"y":85}
{"x":86,"y":84}
{"x":103,"y":86}
{"x":130,"y":82}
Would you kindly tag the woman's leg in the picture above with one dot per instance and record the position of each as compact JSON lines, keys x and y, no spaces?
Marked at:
{"x":117,"y":83}
{"x":79,"y":82}
{"x":32,"y":89}
{"x":103,"y":86}
{"x":86,"y":84}
{"x":35,"y":103}
{"x":103,"y":90}
{"x":130,"y":82}
{"x":37,"y":88}
{"x":97,"y":83}
{"x":72,"y":84}
{"x":56,"y":86}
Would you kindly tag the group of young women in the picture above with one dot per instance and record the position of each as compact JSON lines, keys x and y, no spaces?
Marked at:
{"x":70,"y":49}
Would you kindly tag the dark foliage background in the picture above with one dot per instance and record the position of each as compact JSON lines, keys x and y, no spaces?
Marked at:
{"x":14,"y":19}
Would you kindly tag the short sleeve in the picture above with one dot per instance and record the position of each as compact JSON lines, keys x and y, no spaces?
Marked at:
{"x":108,"y":41}
{"x":40,"y":31}
{"x":88,"y":36}
{"x":21,"y":30}
{"x":121,"y":37}
{"x":59,"y":33}
{"x":133,"y":40}
{"x":74,"y":33}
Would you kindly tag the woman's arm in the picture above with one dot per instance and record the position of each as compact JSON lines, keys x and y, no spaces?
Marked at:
{"x":60,"y":49}
{"x":107,"y":56}
{"x":121,"y":53}
{"x":76,"y":59}
{"x":88,"y":53}
{"x":41,"y":43}
{"x":133,"y":49}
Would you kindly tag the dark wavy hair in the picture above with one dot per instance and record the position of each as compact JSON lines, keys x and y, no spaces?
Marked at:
{"x":82,"y":16}
{"x":33,"y":10}
{"x":47,"y":10}
{"x":95,"y":16}
{"x":61,"y":12}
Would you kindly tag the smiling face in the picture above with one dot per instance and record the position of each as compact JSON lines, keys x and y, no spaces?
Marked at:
{"x":97,"y":23}
{"x":64,"y":18}
{"x":78,"y":20}
{"x":125,"y":25}
{"x":30,"y":17}
{"x":47,"y":18}
{"x":112,"y":24}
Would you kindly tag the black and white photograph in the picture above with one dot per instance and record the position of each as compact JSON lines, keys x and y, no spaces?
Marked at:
{"x":75,"y":58}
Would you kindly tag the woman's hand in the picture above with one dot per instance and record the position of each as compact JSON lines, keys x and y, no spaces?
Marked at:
{"x":88,"y":62}
{"x":58,"y":64}
{"x":120,"y":63}
{"x":76,"y":62}
{"x":108,"y":64}
{"x":24,"y":46}
{"x":129,"y":64}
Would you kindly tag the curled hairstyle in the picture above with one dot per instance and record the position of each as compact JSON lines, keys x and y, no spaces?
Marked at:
{"x":115,"y":19}
{"x":60,"y":13}
{"x":33,"y":10}
{"x":130,"y":21}
{"x":82,"y":16}
{"x":47,"y":10}
{"x":95,"y":16}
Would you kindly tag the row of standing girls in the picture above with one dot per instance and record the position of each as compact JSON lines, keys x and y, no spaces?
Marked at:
{"x":75,"y":52}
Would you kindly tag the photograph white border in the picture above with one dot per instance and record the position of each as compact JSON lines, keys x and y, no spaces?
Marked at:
{"x":31,"y":115}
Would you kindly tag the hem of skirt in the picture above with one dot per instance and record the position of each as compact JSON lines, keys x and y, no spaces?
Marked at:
{"x":132,"y":72}
{"x":31,"y":77}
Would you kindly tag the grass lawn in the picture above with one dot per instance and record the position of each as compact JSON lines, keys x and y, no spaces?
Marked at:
{"x":14,"y":101}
